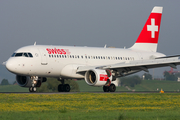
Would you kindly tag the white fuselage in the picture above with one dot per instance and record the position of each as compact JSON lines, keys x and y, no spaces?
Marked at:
{"x":63,"y":61}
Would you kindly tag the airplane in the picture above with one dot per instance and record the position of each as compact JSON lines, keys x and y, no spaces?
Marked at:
{"x":97,"y":66}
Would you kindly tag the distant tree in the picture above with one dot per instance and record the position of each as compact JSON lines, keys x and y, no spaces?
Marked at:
{"x":171,"y":77}
{"x":51,"y":85}
{"x":147,"y":76}
{"x":4,"y":82}
{"x":177,"y":74}
{"x":14,"y":82}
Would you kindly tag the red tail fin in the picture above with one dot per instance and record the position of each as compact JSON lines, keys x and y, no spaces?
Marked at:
{"x":148,"y":37}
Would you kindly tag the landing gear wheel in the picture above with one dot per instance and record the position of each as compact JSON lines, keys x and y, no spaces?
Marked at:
{"x":112,"y":88}
{"x":64,"y":88}
{"x":106,"y":88}
{"x":67,"y":88}
{"x":60,"y":88}
{"x":32,"y":89}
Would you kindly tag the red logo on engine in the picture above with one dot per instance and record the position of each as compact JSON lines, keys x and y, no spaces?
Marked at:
{"x":103,"y":77}
{"x":58,"y":51}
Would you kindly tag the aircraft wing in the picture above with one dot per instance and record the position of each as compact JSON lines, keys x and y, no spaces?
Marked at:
{"x":137,"y":65}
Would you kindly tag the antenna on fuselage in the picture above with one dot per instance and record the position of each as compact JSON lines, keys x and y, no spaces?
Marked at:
{"x":34,"y":43}
{"x":105,"y":46}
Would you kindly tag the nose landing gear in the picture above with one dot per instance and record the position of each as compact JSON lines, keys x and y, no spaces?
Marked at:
{"x":34,"y":82}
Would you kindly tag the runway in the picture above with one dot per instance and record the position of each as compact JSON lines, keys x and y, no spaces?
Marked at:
{"x":118,"y":92}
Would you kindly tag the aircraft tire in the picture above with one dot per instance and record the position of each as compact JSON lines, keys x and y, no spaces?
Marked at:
{"x":106,"y":88}
{"x":112,"y":88}
{"x":60,"y":88}
{"x":66,"y":88}
{"x":32,"y":89}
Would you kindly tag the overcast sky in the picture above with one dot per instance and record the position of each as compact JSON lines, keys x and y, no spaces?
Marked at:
{"x":84,"y":23}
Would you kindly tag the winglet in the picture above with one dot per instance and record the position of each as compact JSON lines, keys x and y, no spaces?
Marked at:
{"x":35,"y":43}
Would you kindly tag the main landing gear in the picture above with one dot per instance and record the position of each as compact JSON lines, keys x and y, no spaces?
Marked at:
{"x":63,"y":87}
{"x":111,"y":88}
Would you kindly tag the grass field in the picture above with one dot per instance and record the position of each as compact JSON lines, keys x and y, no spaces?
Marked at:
{"x":152,"y":85}
{"x":13,"y":88}
{"x":90,"y":106}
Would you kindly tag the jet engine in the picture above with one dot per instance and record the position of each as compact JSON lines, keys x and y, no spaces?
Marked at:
{"x":98,"y":77}
{"x":25,"y":81}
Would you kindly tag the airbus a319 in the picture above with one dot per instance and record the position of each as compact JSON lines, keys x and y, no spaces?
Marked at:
{"x":97,"y":66}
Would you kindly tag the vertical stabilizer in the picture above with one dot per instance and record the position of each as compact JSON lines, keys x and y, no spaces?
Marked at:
{"x":148,"y":38}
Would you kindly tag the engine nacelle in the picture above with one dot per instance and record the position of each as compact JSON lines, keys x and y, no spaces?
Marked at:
{"x":25,"y":81}
{"x":98,"y":77}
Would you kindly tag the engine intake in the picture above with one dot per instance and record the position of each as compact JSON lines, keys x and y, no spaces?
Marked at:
{"x":98,"y":77}
{"x":25,"y":81}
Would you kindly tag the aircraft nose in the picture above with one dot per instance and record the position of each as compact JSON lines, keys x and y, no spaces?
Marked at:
{"x":10,"y":65}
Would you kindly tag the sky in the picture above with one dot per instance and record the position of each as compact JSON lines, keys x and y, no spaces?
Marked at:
{"x":93,"y":23}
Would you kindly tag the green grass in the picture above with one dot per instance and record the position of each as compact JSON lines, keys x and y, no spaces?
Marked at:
{"x":13,"y":88}
{"x":94,"y":115}
{"x":90,"y":106}
{"x":152,"y":85}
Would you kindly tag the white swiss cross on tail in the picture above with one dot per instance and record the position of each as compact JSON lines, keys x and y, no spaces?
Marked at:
{"x":148,"y":38}
{"x":153,"y":28}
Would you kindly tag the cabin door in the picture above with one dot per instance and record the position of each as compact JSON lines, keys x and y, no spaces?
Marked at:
{"x":43,"y":57}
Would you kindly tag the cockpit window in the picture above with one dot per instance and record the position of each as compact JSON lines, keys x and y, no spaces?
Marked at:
{"x":30,"y":55}
{"x":19,"y":54}
{"x":22,"y":55}
{"x":25,"y":54}
{"x":13,"y":54}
